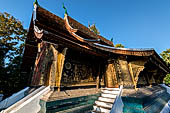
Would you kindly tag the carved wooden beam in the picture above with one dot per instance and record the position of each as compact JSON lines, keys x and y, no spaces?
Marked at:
{"x":158,"y":65}
{"x":132,"y":76}
{"x":135,"y":77}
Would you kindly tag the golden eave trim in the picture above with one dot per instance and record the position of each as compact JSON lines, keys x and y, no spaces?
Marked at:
{"x":73,"y":31}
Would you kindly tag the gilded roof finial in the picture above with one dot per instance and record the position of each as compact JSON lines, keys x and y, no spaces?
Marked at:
{"x":36,"y":2}
{"x":65,"y":9}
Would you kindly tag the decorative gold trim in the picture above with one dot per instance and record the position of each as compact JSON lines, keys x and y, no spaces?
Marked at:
{"x":73,"y":31}
{"x":38,"y":33}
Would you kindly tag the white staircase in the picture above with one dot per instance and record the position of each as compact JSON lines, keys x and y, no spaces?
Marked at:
{"x":105,"y":102}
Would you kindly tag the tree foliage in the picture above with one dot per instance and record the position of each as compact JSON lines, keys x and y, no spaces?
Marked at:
{"x":12,"y":36}
{"x":166,"y":56}
{"x":94,"y":29}
{"x":119,"y":46}
{"x":167,"y":79}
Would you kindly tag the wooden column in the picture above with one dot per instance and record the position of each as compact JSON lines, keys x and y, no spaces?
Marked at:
{"x":50,"y":66}
{"x":48,"y":74}
{"x":60,"y":64}
{"x":147,"y":78}
{"x":111,"y":79}
{"x":98,"y":78}
{"x":118,"y":71}
{"x":53,"y":68}
{"x":126,"y":77}
{"x":152,"y":80}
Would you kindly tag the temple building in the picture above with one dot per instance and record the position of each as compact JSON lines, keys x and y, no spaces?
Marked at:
{"x":63,"y":53}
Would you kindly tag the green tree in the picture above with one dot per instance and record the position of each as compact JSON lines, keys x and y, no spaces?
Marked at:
{"x":94,"y":29}
{"x":12,"y":36}
{"x":167,"y":79}
{"x":13,"y":81}
{"x":119,"y":46}
{"x":166,"y":57}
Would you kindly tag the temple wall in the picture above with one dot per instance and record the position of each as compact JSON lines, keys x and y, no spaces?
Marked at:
{"x":49,"y":65}
{"x":57,"y":66}
{"x":152,"y":74}
{"x":159,"y":77}
{"x":79,"y":69}
{"x":77,"y":73}
{"x":130,"y":71}
{"x":142,"y":80}
{"x":42,"y":65}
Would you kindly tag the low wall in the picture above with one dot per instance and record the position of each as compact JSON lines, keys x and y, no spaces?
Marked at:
{"x":166,"y":108}
{"x":29,"y":104}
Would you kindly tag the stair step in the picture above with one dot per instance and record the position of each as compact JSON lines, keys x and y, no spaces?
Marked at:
{"x":79,"y":109}
{"x":112,"y":89}
{"x":95,"y":112}
{"x":108,"y":95}
{"x":103,"y":104}
{"x":116,"y":92}
{"x":104,"y":110}
{"x":108,"y":100}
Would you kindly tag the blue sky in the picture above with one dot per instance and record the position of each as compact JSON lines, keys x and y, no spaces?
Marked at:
{"x":134,"y":23}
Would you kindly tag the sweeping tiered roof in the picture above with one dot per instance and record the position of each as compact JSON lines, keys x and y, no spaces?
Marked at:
{"x":48,"y":27}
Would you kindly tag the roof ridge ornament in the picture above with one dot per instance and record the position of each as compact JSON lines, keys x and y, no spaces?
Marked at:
{"x":65,"y":10}
{"x":36,"y":2}
{"x":37,"y":31}
{"x":35,"y":12}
